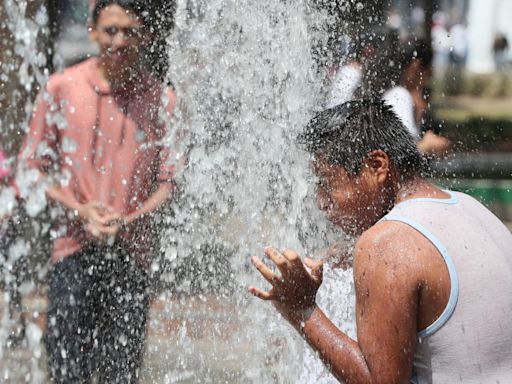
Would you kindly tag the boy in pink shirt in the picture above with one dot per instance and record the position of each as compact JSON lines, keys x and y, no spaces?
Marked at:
{"x":98,"y":126}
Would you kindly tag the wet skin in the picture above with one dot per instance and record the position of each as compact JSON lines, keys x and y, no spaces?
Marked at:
{"x":402,"y":283}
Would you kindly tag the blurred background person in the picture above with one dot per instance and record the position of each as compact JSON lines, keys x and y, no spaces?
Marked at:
{"x":440,"y":44}
{"x":409,"y":95}
{"x":362,"y":69}
{"x":95,"y":138}
{"x":500,"y":50}
{"x":376,"y":68}
{"x":458,"y":45}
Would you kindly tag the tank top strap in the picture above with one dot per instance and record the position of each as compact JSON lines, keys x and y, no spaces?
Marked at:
{"x":454,"y":291}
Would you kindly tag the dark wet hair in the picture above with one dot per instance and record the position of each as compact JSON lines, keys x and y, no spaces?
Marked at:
{"x":345,"y":134}
{"x":138,"y":7}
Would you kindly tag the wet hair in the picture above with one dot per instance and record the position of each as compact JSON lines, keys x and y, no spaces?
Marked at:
{"x":138,"y":7}
{"x":345,"y":134}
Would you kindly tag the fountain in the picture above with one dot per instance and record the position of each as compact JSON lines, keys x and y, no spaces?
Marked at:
{"x":241,"y":70}
{"x":247,"y":80}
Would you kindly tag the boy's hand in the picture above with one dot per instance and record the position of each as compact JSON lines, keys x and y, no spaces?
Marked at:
{"x":102,"y":222}
{"x":294,"y":292}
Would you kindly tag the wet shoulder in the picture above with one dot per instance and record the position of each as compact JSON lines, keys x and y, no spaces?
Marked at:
{"x":389,"y":245}
{"x":383,"y":233}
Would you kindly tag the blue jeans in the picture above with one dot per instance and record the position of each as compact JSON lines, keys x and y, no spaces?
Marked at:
{"x":98,"y":301}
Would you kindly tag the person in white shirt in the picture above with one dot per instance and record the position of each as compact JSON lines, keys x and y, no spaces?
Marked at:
{"x":407,"y":97}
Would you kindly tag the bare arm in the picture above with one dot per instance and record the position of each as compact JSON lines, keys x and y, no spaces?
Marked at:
{"x":386,"y":294}
{"x":56,"y":194}
{"x":341,"y":354}
{"x":432,"y":144}
{"x":387,"y":290}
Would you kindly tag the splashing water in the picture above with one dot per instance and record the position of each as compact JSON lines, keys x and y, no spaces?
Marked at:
{"x":246,"y":85}
{"x":23,"y":65}
{"x":246,"y":82}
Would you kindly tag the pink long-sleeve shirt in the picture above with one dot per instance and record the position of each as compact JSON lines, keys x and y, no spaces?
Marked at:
{"x":106,"y":142}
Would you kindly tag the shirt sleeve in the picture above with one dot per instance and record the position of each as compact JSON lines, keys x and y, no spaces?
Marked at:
{"x":39,"y":149}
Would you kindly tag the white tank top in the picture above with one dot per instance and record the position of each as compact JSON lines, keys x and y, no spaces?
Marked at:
{"x":471,"y":342}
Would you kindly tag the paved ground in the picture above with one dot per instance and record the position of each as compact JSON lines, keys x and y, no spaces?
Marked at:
{"x":191,"y":340}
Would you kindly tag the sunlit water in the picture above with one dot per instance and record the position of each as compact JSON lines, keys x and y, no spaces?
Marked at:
{"x":246,"y":83}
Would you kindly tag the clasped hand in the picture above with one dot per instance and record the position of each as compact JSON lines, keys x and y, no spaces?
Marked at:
{"x":102,"y":222}
{"x":293,"y":293}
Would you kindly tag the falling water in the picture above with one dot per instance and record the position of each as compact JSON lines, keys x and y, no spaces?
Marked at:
{"x":247,"y":80}
{"x":247,"y":83}
{"x":23,"y":62}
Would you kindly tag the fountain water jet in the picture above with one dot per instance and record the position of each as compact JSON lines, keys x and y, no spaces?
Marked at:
{"x":247,"y":81}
